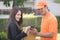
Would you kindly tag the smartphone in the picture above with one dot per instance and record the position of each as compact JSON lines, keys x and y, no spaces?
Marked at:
{"x":31,"y":28}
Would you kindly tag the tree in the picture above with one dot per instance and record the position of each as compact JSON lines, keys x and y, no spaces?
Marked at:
{"x":15,"y":2}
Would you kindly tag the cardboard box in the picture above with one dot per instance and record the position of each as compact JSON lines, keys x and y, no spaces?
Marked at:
{"x":29,"y":36}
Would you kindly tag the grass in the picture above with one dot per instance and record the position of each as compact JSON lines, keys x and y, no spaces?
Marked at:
{"x":58,"y":37}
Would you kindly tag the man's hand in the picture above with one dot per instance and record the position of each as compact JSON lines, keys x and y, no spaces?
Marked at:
{"x":33,"y":31}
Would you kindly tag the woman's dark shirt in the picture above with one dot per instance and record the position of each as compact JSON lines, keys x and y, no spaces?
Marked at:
{"x":14,"y":33}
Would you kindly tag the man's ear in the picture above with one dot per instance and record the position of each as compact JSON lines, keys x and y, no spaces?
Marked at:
{"x":46,"y":7}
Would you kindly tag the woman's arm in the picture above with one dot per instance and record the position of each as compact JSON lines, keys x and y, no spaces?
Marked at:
{"x":13,"y":30}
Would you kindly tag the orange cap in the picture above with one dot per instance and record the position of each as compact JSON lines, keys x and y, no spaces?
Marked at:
{"x":40,"y":4}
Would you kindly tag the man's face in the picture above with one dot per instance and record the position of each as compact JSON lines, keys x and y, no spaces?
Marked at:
{"x":42,"y":11}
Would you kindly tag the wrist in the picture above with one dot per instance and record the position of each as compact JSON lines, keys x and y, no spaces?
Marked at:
{"x":37,"y":33}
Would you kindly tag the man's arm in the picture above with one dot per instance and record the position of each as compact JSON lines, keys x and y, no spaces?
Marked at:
{"x":45,"y":35}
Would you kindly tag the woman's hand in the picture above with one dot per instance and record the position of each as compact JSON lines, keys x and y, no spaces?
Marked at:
{"x":27,"y":29}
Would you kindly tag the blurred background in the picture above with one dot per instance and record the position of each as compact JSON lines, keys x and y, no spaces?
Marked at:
{"x":30,"y":15}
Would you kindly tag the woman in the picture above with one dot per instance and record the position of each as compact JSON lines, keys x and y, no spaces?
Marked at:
{"x":14,"y":27}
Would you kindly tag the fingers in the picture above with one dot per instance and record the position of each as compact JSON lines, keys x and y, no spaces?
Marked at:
{"x":34,"y":31}
{"x":27,"y":29}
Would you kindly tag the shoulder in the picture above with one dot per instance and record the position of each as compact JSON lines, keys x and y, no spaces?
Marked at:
{"x":12,"y":24}
{"x":53,"y":18}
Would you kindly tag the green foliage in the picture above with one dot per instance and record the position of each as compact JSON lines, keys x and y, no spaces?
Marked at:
{"x":19,"y":2}
{"x":15,"y":2}
{"x":32,"y":21}
{"x":38,"y":28}
{"x":3,"y":35}
{"x":6,"y":2}
{"x":58,"y":17}
{"x":3,"y":24}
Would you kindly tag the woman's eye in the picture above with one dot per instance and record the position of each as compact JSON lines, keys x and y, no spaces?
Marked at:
{"x":18,"y":14}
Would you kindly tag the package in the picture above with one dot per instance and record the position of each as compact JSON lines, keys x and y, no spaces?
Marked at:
{"x":29,"y":36}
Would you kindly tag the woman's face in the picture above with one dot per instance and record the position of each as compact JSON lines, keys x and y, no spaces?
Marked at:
{"x":18,"y":15}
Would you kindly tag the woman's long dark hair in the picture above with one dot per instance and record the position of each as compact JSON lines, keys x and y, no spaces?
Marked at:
{"x":12,"y":16}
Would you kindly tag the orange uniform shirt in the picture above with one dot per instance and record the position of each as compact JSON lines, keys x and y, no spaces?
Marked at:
{"x":49,"y":24}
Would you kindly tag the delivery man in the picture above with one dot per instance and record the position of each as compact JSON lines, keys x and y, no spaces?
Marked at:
{"x":49,"y":24}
